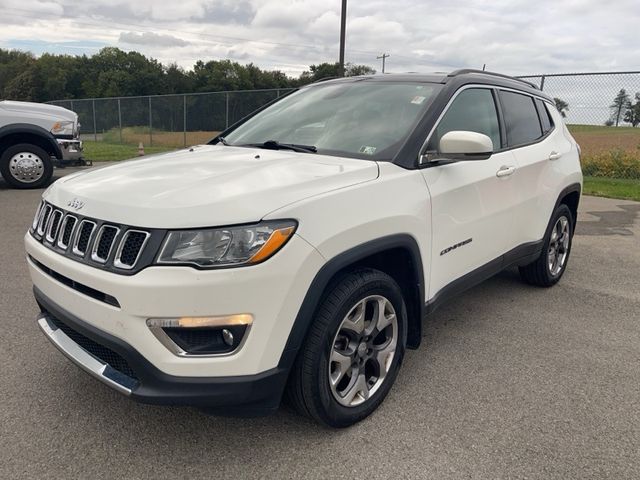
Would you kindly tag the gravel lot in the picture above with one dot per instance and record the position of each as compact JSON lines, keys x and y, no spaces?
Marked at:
{"x":511,"y":382}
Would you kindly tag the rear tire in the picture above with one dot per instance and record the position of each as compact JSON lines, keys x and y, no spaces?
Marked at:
{"x":26,"y":166}
{"x":353,"y":351}
{"x":547,"y":270}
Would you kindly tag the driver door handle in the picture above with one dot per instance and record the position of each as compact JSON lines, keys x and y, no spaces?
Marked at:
{"x":505,"y":171}
{"x":554,"y":155}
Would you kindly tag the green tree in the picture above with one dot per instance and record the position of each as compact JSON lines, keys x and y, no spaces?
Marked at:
{"x":619,"y":106}
{"x":632,"y":115}
{"x":330,"y":70}
{"x":562,"y":106}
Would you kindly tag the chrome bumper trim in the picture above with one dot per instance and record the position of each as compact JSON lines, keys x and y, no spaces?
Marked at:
{"x":78,"y":355}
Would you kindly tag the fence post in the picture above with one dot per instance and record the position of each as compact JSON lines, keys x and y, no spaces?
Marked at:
{"x":278,"y":93}
{"x":120,"y":120}
{"x":184,"y":118}
{"x":72,"y":106}
{"x":227,"y":110}
{"x":95,"y":131}
{"x":542,"y":82}
{"x":150,"y":125}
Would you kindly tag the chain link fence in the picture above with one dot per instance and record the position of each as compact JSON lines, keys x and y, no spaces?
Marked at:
{"x":171,"y":121}
{"x":602,"y":111}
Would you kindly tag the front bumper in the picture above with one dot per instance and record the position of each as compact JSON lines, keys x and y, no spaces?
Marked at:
{"x":71,"y":149}
{"x":98,"y":353}
{"x":271,"y":291}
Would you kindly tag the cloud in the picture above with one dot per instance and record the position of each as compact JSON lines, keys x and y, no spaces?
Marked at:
{"x":152,"y":39}
{"x":511,"y":36}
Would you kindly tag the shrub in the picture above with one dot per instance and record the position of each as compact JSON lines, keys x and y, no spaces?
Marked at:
{"x":612,"y":164}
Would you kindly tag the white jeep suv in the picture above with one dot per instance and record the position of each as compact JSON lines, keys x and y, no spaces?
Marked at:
{"x":299,"y":252}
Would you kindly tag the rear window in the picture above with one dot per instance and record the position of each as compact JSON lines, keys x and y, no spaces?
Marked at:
{"x":520,"y":118}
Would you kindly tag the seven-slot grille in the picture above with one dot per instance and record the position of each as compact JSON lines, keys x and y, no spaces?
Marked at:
{"x":88,"y":240}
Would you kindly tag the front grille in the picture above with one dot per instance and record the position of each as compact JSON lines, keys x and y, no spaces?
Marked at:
{"x":94,"y":241}
{"x":54,"y":225}
{"x":104,"y":243}
{"x":44,"y":218}
{"x":80,"y":287}
{"x":105,"y":354}
{"x":84,"y":236}
{"x":68,"y":225}
{"x":130,"y":248}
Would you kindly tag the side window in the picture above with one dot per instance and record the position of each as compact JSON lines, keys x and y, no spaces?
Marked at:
{"x":545,"y":118}
{"x":520,"y":118}
{"x":473,"y":110}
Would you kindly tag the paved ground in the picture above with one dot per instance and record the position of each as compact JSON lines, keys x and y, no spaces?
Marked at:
{"x":513,"y":382}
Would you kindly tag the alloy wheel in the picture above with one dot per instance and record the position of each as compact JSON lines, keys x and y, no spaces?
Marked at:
{"x":363,"y":350}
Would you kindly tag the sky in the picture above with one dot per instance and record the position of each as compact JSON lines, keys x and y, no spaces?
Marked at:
{"x":516,"y":37}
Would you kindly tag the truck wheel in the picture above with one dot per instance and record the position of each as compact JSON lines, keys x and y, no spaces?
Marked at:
{"x":353,"y":351}
{"x":549,"y":267}
{"x":26,"y":166}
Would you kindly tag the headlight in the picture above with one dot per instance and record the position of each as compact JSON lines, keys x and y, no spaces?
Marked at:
{"x":227,"y":246}
{"x":62,"y":128}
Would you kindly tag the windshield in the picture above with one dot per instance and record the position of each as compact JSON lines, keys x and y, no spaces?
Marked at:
{"x":361,"y":119}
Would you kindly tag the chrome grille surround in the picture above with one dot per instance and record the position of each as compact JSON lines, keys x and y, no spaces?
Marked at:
{"x":80,"y":251}
{"x":68,"y":224}
{"x":118,"y":262}
{"x":106,"y":238}
{"x":44,"y":218}
{"x":53,"y":226}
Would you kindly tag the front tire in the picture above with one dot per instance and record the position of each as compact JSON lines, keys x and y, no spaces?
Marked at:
{"x":26,"y":166}
{"x":353,"y":351}
{"x":547,"y":270}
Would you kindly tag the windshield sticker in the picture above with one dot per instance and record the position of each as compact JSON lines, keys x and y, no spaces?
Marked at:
{"x":417,"y":100}
{"x":367,"y":150}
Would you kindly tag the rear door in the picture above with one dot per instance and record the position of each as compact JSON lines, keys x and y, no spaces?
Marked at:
{"x":471,"y":201}
{"x":538,"y":144}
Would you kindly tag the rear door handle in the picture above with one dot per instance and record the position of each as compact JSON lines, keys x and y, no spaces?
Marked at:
{"x":505,"y":171}
{"x":554,"y":155}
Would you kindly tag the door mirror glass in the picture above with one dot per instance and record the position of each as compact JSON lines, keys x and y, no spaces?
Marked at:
{"x":465,"y":145}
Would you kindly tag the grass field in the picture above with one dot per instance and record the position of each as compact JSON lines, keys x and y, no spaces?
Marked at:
{"x":135,"y":135}
{"x":106,"y":152}
{"x":594,"y":139}
{"x":623,"y":188}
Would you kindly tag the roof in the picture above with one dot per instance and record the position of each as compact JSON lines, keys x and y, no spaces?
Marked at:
{"x":458,"y":77}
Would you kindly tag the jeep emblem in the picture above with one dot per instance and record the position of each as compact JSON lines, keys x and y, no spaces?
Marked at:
{"x":75,"y":204}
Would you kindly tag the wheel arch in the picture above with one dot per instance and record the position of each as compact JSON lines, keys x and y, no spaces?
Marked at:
{"x":16,"y":133}
{"x":570,"y":196}
{"x":397,"y":255}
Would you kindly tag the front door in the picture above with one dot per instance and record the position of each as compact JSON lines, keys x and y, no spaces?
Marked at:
{"x":471,"y":201}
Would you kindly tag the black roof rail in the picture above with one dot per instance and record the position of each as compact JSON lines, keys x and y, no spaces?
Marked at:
{"x":324,"y":79}
{"x":463,"y":71}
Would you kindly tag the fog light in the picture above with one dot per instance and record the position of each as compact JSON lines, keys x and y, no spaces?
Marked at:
{"x":193,"y":336}
{"x":227,"y":336}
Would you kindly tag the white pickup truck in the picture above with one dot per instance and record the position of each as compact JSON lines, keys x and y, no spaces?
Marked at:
{"x":33,"y":138}
{"x":299,"y":252}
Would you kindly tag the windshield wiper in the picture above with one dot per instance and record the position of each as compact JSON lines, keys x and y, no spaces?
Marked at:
{"x":223,"y":141}
{"x":275,"y":145}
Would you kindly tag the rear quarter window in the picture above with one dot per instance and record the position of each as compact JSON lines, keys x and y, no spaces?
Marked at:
{"x":545,"y":118}
{"x":520,"y":118}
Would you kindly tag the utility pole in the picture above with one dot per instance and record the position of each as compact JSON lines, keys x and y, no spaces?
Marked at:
{"x":383,"y":57}
{"x":343,"y":28}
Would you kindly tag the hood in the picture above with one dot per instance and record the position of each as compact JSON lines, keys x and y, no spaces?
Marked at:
{"x":206,"y":186}
{"x":38,"y":109}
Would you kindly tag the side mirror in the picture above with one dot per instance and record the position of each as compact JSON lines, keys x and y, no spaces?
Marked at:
{"x":463,"y":145}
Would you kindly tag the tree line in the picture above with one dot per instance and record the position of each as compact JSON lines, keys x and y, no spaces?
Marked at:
{"x":115,"y":73}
